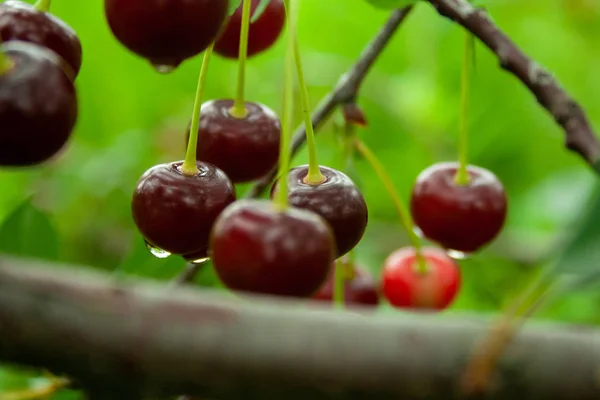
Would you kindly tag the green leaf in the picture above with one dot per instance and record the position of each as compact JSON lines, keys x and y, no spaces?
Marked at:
{"x":27,"y":231}
{"x":262,"y":6}
{"x":233,"y":5}
{"x":391,"y":4}
{"x":140,"y":262}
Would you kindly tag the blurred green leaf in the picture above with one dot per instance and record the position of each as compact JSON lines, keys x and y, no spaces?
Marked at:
{"x":29,"y":231}
{"x":390,"y":4}
{"x":262,"y":6}
{"x":139,"y":262}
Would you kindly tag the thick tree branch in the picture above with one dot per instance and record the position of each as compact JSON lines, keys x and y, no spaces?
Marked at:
{"x":128,"y":339}
{"x":565,"y":110}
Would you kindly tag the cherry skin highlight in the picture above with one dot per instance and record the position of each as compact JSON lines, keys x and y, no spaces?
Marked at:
{"x":166,"y":32}
{"x":21,"y":21}
{"x":38,"y":105}
{"x":359,"y":287}
{"x":255,"y":247}
{"x":176,"y":212}
{"x":262,"y":35}
{"x":337,"y":200}
{"x":404,"y":286}
{"x":462,"y":218}
{"x":245,"y":148}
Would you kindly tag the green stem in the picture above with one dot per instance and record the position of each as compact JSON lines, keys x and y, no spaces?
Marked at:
{"x":401,"y":209}
{"x":239,"y":106}
{"x":462,"y":175}
{"x":314,"y":176}
{"x":338,"y":288}
{"x":281,"y":199}
{"x":189,"y":165}
{"x":42,"y":5}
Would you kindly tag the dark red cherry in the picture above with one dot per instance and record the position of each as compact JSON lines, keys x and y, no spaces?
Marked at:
{"x":462,"y":218}
{"x":166,"y":32}
{"x":38,"y":105}
{"x":359,"y":287}
{"x":337,"y":200}
{"x":175,"y":212}
{"x":263,"y":32}
{"x":21,"y":21}
{"x":245,"y":148}
{"x":404,"y":286}
{"x":255,"y":247}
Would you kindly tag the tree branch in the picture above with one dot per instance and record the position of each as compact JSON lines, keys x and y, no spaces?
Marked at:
{"x":132,"y":339}
{"x":568,"y":114}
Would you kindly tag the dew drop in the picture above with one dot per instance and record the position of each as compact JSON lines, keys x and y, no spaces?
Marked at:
{"x":418,"y":232}
{"x":163,"y":68}
{"x":156,"y":252}
{"x":199,"y":261}
{"x":457,"y":255}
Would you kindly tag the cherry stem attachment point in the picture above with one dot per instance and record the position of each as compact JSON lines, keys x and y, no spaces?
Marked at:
{"x":462,"y":175}
{"x":281,"y":197}
{"x":189,"y":165}
{"x":239,"y":106}
{"x":338,"y":283}
{"x":401,"y":209}
{"x":314,"y":177}
{"x":42,"y":5}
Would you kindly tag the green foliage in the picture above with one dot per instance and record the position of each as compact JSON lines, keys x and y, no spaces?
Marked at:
{"x":391,"y":4}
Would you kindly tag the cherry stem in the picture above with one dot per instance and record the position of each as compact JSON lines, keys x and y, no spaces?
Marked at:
{"x":239,"y":106}
{"x":42,"y":5}
{"x":338,"y":288}
{"x":314,"y":176}
{"x":401,"y":208}
{"x":281,"y":199}
{"x":189,"y":166}
{"x":462,"y":175}
{"x":6,"y":63}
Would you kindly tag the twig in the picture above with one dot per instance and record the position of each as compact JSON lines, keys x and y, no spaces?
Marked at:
{"x":580,"y":137}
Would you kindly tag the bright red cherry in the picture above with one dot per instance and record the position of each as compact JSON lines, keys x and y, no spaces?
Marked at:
{"x":359,"y":287}
{"x":405,"y":286}
{"x":245,"y":148}
{"x":166,"y":32}
{"x":462,"y":218}
{"x":263,"y":32}
{"x":255,"y":247}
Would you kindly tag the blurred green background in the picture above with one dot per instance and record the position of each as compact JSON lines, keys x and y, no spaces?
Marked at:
{"x":132,"y":117}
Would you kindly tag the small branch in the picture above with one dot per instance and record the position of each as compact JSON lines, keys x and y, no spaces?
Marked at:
{"x":132,"y":339}
{"x":580,"y":137}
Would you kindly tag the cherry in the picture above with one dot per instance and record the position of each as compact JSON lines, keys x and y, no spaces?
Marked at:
{"x":256,"y":247}
{"x":337,"y":200}
{"x":175,"y":212}
{"x":38,"y":104}
{"x":245,"y":148}
{"x":462,"y":218}
{"x":21,"y":21}
{"x":166,"y":32}
{"x":263,"y":32}
{"x":405,"y":286}
{"x":359,"y":287}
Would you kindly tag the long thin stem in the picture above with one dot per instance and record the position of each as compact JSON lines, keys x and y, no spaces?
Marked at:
{"x":189,"y":165}
{"x":281,"y":199}
{"x":401,"y":208}
{"x":314,"y":176}
{"x":338,"y":283}
{"x":462,"y":175}
{"x":42,"y":5}
{"x":239,"y":106}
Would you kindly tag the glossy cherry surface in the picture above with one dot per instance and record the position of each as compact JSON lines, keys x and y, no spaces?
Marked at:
{"x":404,"y":286}
{"x":337,"y":200}
{"x":263,"y":32}
{"x":245,"y":148}
{"x":176,"y":212}
{"x":38,"y":105}
{"x":359,"y":287}
{"x":166,"y":32}
{"x":257,"y":248}
{"x":462,"y":218}
{"x":21,"y":21}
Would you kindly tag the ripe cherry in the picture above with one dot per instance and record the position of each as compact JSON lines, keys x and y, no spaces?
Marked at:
{"x":175,"y":212}
{"x":245,"y":148}
{"x":405,"y":286}
{"x":38,"y":104}
{"x":337,"y":200}
{"x":462,"y":218}
{"x":166,"y":32}
{"x":255,"y":247}
{"x":263,"y":32}
{"x":21,"y":21}
{"x":359,"y":287}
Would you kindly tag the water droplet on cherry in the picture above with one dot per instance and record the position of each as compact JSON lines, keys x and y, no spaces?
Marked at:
{"x":457,"y":255}
{"x":164,"y":69}
{"x":199,"y":261}
{"x":157,"y":252}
